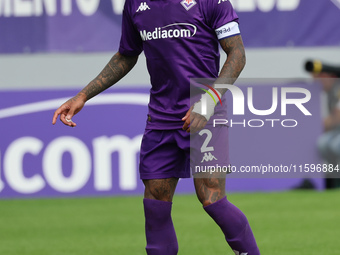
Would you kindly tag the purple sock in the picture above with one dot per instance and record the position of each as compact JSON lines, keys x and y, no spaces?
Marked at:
{"x":234,"y":225}
{"x":160,"y":233}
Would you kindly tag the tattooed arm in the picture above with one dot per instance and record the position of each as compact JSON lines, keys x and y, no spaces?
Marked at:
{"x":117,"y":68}
{"x":233,"y":66}
{"x":236,"y":60}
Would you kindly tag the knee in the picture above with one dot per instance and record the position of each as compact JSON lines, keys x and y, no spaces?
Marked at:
{"x":158,"y":194}
{"x":210,"y":191}
{"x":160,"y":189}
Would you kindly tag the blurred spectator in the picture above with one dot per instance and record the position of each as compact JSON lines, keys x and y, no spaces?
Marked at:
{"x":329,"y":142}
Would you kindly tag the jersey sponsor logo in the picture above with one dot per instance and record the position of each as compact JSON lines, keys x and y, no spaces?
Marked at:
{"x":188,"y":4}
{"x":143,"y":7}
{"x":208,"y":157}
{"x":221,"y":1}
{"x":176,"y":30}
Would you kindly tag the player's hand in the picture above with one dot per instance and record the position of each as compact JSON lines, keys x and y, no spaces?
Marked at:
{"x":193,"y":122}
{"x":68,"y":110}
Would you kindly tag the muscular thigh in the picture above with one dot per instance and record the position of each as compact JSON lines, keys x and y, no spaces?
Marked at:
{"x":160,"y":189}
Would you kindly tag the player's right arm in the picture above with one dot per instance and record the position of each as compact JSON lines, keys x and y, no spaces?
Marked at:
{"x":117,"y":68}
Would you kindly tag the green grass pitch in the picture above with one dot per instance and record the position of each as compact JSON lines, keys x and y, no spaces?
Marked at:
{"x":294,"y":223}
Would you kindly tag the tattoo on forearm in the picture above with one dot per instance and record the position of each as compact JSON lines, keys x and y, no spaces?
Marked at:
{"x":235,"y":62}
{"x":117,"y":68}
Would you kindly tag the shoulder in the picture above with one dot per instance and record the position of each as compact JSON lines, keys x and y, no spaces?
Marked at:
{"x":129,"y":4}
{"x":217,"y":12}
{"x":214,"y":4}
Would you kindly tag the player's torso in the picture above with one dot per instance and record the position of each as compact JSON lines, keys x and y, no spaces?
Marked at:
{"x":173,"y":28}
{"x":178,"y":45}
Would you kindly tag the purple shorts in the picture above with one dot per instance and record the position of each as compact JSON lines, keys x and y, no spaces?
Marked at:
{"x":176,"y":153}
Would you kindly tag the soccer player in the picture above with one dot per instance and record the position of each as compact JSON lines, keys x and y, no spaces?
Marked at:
{"x":180,"y":39}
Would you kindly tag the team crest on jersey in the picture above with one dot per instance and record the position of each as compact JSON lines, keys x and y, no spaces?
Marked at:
{"x":188,"y":4}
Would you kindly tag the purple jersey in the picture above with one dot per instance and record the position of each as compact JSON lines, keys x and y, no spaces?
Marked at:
{"x":180,"y":42}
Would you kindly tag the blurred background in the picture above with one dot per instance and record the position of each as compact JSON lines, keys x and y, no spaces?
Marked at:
{"x":50,"y":49}
{"x":64,"y":44}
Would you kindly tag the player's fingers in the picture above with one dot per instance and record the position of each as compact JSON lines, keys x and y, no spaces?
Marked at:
{"x":67,"y":120}
{"x":69,"y":117}
{"x":187,"y":115}
{"x":198,"y":122}
{"x":193,"y":125}
{"x":186,"y":124}
{"x":67,"y":111}
{"x":201,"y":124}
{"x":66,"y":116}
{"x":55,"y":116}
{"x":57,"y":113}
{"x":70,"y":121}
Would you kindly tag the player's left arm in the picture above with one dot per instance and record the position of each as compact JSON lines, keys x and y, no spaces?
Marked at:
{"x":233,"y":66}
{"x":235,"y":62}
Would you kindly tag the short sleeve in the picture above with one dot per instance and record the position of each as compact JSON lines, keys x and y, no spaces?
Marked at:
{"x":221,"y":16}
{"x":131,"y":43}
